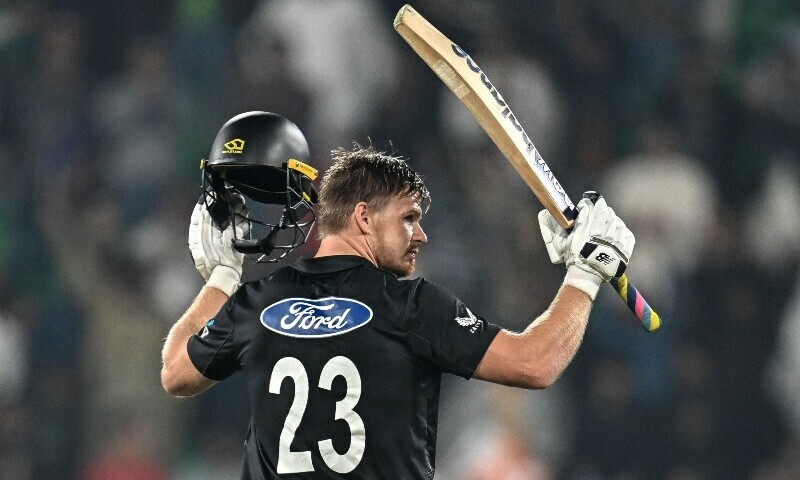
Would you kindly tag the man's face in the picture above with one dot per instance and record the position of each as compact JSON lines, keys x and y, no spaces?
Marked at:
{"x":398,"y":235}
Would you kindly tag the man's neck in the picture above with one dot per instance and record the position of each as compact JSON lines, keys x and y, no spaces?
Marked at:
{"x":344,"y":245}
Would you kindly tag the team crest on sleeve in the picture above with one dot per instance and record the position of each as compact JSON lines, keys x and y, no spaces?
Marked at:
{"x":467,"y":319}
{"x":323,"y":317}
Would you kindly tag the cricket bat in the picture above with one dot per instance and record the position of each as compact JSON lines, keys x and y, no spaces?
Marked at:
{"x":471,"y":85}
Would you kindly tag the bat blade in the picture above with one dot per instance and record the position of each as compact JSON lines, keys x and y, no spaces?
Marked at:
{"x":468,"y":82}
{"x":471,"y":85}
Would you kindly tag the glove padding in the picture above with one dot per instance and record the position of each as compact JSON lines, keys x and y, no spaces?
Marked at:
{"x":212,"y":248}
{"x":554,"y":236}
{"x":597,"y":249}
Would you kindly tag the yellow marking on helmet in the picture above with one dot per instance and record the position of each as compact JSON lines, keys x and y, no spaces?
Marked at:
{"x":308,"y":199}
{"x":301,"y":167}
{"x":235,"y":145}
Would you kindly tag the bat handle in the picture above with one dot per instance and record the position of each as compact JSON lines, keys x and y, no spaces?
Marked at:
{"x":649,"y":319}
{"x":635,"y":301}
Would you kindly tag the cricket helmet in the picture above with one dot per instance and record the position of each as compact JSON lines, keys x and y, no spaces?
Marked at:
{"x":264,"y":157}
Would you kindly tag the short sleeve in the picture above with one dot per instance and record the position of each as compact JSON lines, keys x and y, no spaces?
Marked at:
{"x":444,"y":331}
{"x":212,"y":349}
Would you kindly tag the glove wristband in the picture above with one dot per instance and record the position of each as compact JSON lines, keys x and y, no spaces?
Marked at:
{"x":225,"y":279}
{"x":584,"y":281}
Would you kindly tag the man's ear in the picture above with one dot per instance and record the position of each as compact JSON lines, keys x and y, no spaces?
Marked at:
{"x":362,"y":215}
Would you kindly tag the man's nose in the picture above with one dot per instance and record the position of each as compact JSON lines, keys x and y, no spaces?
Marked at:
{"x":419,"y":234}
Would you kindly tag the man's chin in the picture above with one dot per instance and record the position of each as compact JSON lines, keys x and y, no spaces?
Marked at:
{"x":402,"y":270}
{"x":408,"y":272}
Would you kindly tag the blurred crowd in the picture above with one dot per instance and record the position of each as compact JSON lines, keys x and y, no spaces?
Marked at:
{"x":684,"y":114}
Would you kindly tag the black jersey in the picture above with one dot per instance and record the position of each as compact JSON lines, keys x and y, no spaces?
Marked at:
{"x":343,"y":363}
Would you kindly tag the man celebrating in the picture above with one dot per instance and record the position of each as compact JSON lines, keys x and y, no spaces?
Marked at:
{"x":343,"y":357}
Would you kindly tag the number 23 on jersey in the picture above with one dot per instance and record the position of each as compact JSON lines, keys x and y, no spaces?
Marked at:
{"x":294,"y":462}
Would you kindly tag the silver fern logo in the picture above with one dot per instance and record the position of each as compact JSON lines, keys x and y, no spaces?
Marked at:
{"x":465,"y":318}
{"x":467,"y":321}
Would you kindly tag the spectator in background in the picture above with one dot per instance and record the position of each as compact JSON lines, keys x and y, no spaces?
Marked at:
{"x":263,"y":76}
{"x":770,"y":223}
{"x":127,"y":455}
{"x":609,"y":404}
{"x":511,"y":452}
{"x":770,"y":93}
{"x":784,"y":464}
{"x":216,"y":455}
{"x":157,"y":249}
{"x":15,"y":361}
{"x":669,"y":199}
{"x":625,"y":377}
{"x":16,"y":457}
{"x":91,"y":213}
{"x":203,"y":45}
{"x":664,"y":192}
{"x":16,"y":461}
{"x":139,"y":116}
{"x":45,"y":133}
{"x":784,"y":380}
{"x":348,"y":70}
{"x":51,"y":99}
{"x":703,"y":103}
{"x":770,"y":86}
{"x":734,"y":317}
{"x":769,"y":80}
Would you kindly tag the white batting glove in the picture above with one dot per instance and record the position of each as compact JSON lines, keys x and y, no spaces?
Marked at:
{"x":598,"y":247}
{"x":212,"y":249}
{"x":554,"y":236}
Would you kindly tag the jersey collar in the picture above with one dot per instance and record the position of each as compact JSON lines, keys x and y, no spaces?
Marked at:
{"x":330,"y":264}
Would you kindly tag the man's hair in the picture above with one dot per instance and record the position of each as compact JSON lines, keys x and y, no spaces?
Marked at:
{"x":368,"y":175}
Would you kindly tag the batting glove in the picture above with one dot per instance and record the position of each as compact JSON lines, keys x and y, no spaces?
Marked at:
{"x":212,"y":248}
{"x":598,"y":247}
{"x":554,"y":236}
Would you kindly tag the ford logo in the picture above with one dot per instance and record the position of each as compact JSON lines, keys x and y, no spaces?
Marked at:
{"x":323,"y":317}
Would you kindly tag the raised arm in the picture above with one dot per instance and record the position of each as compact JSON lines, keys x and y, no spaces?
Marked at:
{"x":178,"y":374}
{"x":597,"y":249}
{"x":221,"y":266}
{"x":536,"y":357}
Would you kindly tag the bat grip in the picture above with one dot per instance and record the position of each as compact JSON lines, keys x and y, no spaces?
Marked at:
{"x":635,"y":301}
{"x":649,"y":319}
